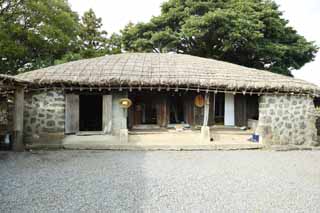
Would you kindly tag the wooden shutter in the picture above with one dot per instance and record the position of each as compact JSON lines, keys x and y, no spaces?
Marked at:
{"x":162,"y":110}
{"x":72,"y":113}
{"x":241,"y":110}
{"x":107,"y":114}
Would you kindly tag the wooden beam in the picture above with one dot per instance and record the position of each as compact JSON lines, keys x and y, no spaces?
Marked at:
{"x":206,"y":109}
{"x":18,"y":144}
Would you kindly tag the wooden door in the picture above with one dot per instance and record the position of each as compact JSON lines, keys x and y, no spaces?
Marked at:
{"x":241,"y":110}
{"x":162,"y":110}
{"x":72,"y":114}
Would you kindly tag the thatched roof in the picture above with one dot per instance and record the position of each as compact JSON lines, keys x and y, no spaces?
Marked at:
{"x":9,"y":81}
{"x":174,"y":70}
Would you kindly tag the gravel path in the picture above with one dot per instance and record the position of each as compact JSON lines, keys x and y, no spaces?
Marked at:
{"x":108,"y":181}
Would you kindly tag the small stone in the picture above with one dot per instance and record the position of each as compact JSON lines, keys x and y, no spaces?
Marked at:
{"x":272,"y":101}
{"x":33,"y":120}
{"x":302,"y":125}
{"x":50,"y":94}
{"x":51,"y":123}
{"x":288,"y":125}
{"x":61,"y":123}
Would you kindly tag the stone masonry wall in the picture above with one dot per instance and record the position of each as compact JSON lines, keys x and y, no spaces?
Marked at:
{"x":287,"y":120}
{"x":44,"y":117}
{"x":3,"y":112}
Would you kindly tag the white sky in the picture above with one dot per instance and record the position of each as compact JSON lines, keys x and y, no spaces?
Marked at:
{"x":304,"y":16}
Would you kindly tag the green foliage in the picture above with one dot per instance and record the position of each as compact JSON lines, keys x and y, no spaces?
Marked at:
{"x":40,"y":33}
{"x":252,"y":33}
{"x":93,"y":40}
{"x":33,"y":33}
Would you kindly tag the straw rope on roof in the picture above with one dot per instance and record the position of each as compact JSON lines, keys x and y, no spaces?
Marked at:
{"x":152,"y":69}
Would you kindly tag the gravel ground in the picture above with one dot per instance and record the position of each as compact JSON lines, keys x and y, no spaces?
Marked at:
{"x":110,"y":181}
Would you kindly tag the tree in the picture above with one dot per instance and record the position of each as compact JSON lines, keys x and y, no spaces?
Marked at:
{"x":252,"y":33}
{"x":94,"y":41}
{"x":34,"y":33}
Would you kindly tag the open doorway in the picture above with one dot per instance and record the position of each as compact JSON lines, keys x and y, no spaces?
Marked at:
{"x":177,"y":115}
{"x":90,"y":113}
{"x":219,"y":109}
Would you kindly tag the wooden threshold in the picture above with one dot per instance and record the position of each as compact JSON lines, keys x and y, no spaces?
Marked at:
{"x":87,"y":133}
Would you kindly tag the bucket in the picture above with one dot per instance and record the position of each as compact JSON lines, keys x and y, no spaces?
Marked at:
{"x":255,"y":138}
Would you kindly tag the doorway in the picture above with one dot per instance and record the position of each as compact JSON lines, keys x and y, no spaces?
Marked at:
{"x":90,"y":108}
{"x":177,"y":115}
{"x":219,"y":109}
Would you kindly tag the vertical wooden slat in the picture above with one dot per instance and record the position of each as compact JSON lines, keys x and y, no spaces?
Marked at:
{"x":18,"y":120}
{"x":107,"y":113}
{"x":190,"y":110}
{"x":162,"y":111}
{"x":240,"y":110}
{"x":72,"y":113}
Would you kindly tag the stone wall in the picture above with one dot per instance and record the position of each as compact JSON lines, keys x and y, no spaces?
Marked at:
{"x":44,"y":117}
{"x":287,"y":120}
{"x":3,"y":112}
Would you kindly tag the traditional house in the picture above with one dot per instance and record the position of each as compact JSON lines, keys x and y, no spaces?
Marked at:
{"x":117,"y":94}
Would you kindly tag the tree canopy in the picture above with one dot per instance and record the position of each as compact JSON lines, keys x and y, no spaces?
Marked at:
{"x":40,"y":33}
{"x":34,"y":33}
{"x":252,"y":33}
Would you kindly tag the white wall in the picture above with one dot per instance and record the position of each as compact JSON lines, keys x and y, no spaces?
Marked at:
{"x":229,"y":110}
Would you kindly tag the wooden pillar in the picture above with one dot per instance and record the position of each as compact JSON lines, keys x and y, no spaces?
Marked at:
{"x":205,"y":130}
{"x":206,"y":109}
{"x":18,"y":144}
{"x":214,"y":108}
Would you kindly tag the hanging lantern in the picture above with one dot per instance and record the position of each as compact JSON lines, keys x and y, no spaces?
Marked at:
{"x":199,"y":101}
{"x":125,"y":103}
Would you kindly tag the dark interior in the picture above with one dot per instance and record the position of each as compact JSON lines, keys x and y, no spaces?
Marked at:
{"x":90,"y":113}
{"x":219,"y":108}
{"x":176,"y":110}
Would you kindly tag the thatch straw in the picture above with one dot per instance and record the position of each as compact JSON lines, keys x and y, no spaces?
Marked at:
{"x":150,"y":69}
{"x":11,"y":80}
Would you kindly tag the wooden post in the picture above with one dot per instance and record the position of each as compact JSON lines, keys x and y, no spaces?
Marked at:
{"x":214,"y":108}
{"x":206,"y":109}
{"x":18,"y":144}
{"x":205,"y":130}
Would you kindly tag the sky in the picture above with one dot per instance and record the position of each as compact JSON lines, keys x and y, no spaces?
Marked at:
{"x":304,"y":16}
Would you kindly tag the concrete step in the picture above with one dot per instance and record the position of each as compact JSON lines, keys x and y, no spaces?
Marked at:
{"x":146,"y":147}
